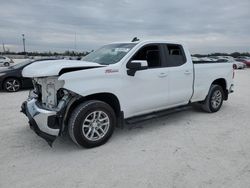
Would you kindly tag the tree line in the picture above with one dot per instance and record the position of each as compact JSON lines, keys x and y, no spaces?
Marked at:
{"x":73,"y":53}
{"x":49,"y":53}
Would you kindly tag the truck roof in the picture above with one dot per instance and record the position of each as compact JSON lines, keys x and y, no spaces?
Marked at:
{"x":148,"y":41}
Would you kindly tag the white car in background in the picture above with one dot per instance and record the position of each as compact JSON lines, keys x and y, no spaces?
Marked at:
{"x":195,"y":58}
{"x":5,"y":61}
{"x":238,"y":64}
{"x":226,"y":57}
{"x":207,"y":59}
{"x":230,"y":59}
{"x":244,"y":57}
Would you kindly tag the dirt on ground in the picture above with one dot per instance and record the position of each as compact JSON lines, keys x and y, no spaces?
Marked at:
{"x":186,"y":149}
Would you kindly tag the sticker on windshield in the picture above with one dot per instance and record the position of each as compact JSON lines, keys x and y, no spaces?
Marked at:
{"x":122,"y":49}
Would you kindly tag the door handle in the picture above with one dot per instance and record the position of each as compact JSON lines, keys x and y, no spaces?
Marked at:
{"x":187,"y":72}
{"x":162,"y":74}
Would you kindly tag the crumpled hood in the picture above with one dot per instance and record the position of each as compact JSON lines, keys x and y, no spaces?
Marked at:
{"x":55,"y":67}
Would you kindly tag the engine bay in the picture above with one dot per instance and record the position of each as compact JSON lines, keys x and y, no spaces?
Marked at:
{"x":46,"y":89}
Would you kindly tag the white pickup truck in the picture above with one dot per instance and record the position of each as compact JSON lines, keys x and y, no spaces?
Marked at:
{"x":120,"y":82}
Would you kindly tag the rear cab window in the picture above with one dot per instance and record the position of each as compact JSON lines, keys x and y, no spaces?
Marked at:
{"x":175,"y":55}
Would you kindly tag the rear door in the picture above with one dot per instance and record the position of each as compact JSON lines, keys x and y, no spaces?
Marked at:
{"x":180,"y":73}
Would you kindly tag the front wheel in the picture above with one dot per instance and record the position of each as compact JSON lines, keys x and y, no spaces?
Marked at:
{"x":12,"y":85}
{"x":214,"y":99}
{"x":92,"y":123}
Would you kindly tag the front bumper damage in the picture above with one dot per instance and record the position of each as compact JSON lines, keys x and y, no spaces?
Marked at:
{"x":45,"y":123}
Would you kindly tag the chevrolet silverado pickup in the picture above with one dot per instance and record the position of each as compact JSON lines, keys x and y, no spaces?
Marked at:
{"x":118,"y":83}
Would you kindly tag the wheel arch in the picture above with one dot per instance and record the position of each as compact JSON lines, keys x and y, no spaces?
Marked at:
{"x":223,"y":83}
{"x":108,"y":98}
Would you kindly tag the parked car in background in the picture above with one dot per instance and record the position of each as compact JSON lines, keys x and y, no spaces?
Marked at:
{"x":205,"y":59}
{"x":11,"y":79}
{"x":246,"y":61}
{"x":5,"y":61}
{"x":236,"y":64}
{"x":195,"y":58}
{"x":244,"y":57}
{"x":226,"y":57}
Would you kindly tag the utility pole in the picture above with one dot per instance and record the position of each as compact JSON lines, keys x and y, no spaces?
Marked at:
{"x":75,"y":41}
{"x":24,"y":44}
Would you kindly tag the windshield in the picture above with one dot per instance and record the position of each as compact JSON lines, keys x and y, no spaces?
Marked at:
{"x":109,"y":54}
{"x":21,"y":64}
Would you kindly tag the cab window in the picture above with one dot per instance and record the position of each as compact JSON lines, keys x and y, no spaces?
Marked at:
{"x":151,"y":54}
{"x":175,"y":55}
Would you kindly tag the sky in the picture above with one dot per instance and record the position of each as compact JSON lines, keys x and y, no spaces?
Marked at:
{"x":206,"y":26}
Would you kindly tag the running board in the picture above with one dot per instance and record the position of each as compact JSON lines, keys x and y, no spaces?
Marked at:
{"x":157,"y":114}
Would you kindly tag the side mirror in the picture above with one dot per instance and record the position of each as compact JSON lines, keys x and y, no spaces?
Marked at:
{"x":136,"y":65}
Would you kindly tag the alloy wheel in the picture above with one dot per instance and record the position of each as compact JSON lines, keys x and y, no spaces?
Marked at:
{"x":95,"y":125}
{"x":12,"y":85}
{"x":216,"y":99}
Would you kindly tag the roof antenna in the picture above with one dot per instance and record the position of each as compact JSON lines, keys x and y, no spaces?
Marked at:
{"x":135,"y":39}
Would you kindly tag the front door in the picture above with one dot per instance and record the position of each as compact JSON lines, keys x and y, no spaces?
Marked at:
{"x":148,"y":89}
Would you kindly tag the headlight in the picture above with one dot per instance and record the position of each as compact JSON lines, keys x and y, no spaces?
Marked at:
{"x":2,"y":74}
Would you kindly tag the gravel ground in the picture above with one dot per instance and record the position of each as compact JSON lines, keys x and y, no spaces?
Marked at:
{"x":186,"y":149}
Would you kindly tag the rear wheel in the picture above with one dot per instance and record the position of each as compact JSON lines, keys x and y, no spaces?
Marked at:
{"x":12,"y":85}
{"x":214,"y":99}
{"x":6,"y":64}
{"x":92,"y":123}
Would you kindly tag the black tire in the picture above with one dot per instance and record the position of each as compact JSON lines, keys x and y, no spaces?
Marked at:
{"x":6,"y":64}
{"x":210,"y":101}
{"x":81,"y":114}
{"x":196,"y":105}
{"x":11,"y":85}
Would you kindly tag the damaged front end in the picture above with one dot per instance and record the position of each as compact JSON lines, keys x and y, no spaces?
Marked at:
{"x":46,"y":106}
